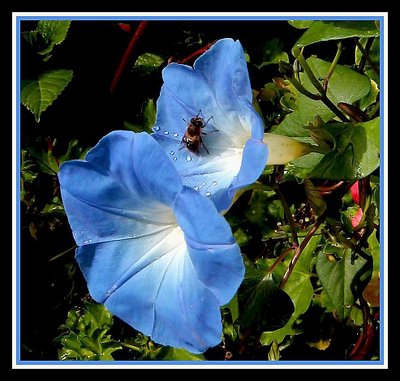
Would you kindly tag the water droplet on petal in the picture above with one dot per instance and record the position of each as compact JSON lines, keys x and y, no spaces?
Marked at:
{"x":208,"y":194}
{"x":214,"y":183}
{"x":82,"y":232}
{"x":174,"y":159}
{"x":188,"y":158}
{"x":204,"y":183}
{"x":196,"y":188}
{"x":172,"y":152}
{"x":90,"y":241}
{"x":156,"y":128}
{"x":166,"y":133}
{"x":85,"y":242}
{"x":175,"y":134}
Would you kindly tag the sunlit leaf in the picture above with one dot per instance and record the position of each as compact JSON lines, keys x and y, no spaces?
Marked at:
{"x":345,"y":85}
{"x":327,"y":30}
{"x":146,"y":63}
{"x":343,"y":277}
{"x":47,"y":34}
{"x":38,"y":95}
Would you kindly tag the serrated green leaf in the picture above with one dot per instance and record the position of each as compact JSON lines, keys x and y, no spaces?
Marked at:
{"x":342,"y":277}
{"x":38,"y":95}
{"x":336,"y":30}
{"x":53,"y":33}
{"x":345,"y":85}
{"x":357,"y":151}
{"x":146,"y":63}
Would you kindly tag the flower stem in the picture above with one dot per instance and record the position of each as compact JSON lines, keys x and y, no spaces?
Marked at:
{"x":127,"y":54}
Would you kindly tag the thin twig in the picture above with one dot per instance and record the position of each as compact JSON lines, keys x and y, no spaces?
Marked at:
{"x":366,"y":55}
{"x":299,"y":250}
{"x":127,"y":54}
{"x":63,"y":253}
{"x":197,"y":52}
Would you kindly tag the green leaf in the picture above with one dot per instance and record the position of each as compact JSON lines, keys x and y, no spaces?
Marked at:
{"x":356,"y":154}
{"x":301,"y":24}
{"x":149,"y":114}
{"x":336,"y":30}
{"x":38,"y":95}
{"x":345,"y":85}
{"x":233,"y":307}
{"x":343,"y":277}
{"x":86,"y":337}
{"x":265,"y":305}
{"x":314,"y":197}
{"x":300,"y":290}
{"x":148,"y":62}
{"x":53,"y":32}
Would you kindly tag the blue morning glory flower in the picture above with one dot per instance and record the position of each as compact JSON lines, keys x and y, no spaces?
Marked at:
{"x":156,"y":253}
{"x":217,"y":89}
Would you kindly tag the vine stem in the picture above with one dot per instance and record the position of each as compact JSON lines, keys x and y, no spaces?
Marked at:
{"x":366,"y":55}
{"x":127,"y":54}
{"x":333,"y":65}
{"x":299,"y":250}
{"x":300,"y":58}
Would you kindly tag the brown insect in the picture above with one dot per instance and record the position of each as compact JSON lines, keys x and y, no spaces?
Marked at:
{"x":192,"y":138}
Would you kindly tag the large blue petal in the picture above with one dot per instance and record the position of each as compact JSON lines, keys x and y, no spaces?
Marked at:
{"x":212,"y":248}
{"x":170,"y":285}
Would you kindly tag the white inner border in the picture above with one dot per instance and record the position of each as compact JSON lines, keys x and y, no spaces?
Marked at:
{"x":249,"y":16}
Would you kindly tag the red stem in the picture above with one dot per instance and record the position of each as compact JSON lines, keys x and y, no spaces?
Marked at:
{"x":197,"y":52}
{"x":127,"y":54}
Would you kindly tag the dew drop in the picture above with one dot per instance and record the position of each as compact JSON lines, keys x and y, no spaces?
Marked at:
{"x":166,"y":133}
{"x":175,"y":134}
{"x":156,"y":128}
{"x":188,"y":158}
{"x":196,"y":188}
{"x":208,"y":194}
{"x":174,"y":159}
{"x":85,"y":242}
{"x":214,"y":183}
{"x":82,"y":232}
{"x":90,"y":241}
{"x":172,"y":152}
{"x":204,"y":183}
